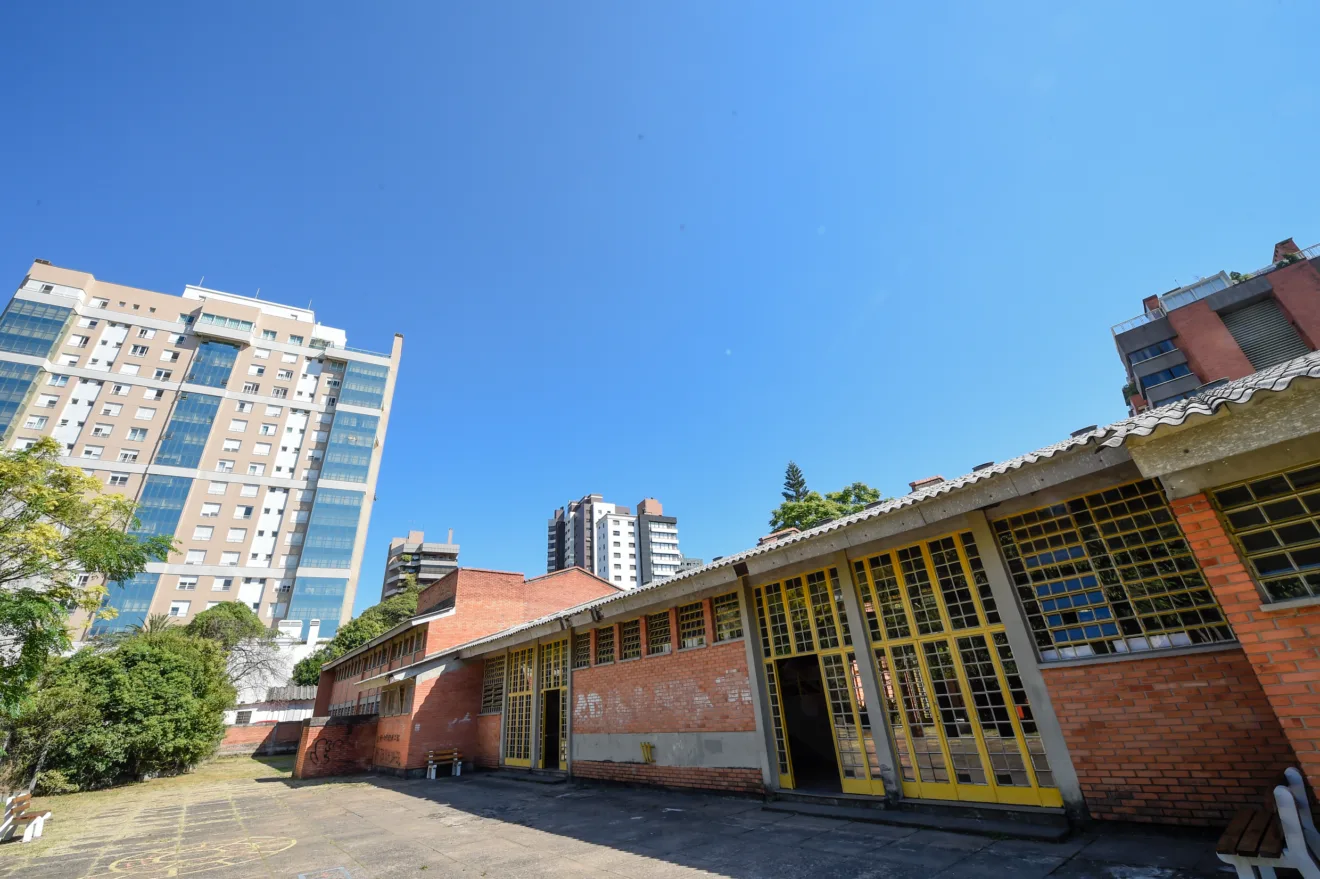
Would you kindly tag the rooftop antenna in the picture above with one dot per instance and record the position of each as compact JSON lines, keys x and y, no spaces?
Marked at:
{"x":258,"y":296}
{"x":202,"y":281}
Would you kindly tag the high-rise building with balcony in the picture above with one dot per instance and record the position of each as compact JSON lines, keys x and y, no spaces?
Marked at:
{"x":610,"y":541}
{"x":427,"y":562}
{"x":1222,"y":327}
{"x":242,"y":427}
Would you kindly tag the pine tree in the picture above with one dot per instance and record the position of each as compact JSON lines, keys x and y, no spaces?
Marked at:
{"x":795,"y":484}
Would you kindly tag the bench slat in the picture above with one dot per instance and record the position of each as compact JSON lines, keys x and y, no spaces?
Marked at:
{"x":1227,"y":844}
{"x":1271,"y":844}
{"x":1249,"y":844}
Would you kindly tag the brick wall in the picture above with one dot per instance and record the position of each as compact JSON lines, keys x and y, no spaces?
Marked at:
{"x":705,"y":689}
{"x":1297,"y":288}
{"x":1174,"y":739}
{"x":737,"y":780}
{"x":392,"y":738}
{"x":1282,"y":645}
{"x":261,"y":738}
{"x":335,"y":746}
{"x":445,"y":713}
{"x":1212,"y":352}
{"x":487,"y":752}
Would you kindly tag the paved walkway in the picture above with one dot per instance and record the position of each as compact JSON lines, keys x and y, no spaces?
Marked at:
{"x":379,"y":828}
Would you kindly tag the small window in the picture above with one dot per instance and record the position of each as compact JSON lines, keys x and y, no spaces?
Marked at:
{"x":203,"y":532}
{"x":137,"y":434}
{"x":268,"y":335}
{"x":295,"y":340}
{"x":230,"y":445}
{"x":251,"y":388}
{"x":144,"y":413}
{"x":128,"y":456}
{"x":163,"y":375}
{"x":146,"y":333}
{"x":92,"y":451}
{"x":492,"y":686}
{"x":229,"y":559}
{"x":179,"y":608}
{"x":236,"y":535}
{"x":118,"y":480}
{"x":692,"y":625}
{"x":243,"y":406}
{"x":243,"y":717}
{"x":222,"y":584}
{"x":138,"y":351}
{"x":216,"y":487}
{"x":35,"y":422}
{"x":248,"y":491}
{"x":605,"y":645}
{"x":260,"y":353}
{"x":187,"y":584}
{"x":630,"y":639}
{"x":195,"y":557}
{"x":658,"y":636}
{"x":728,"y":620}
{"x":210,"y":511}
{"x":237,"y":425}
{"x":274,"y":410}
{"x":256,"y":369}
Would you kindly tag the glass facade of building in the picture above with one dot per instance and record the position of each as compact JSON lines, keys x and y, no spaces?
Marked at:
{"x":132,"y":600}
{"x":212,"y":364}
{"x":318,"y":598}
{"x":15,"y":383}
{"x":185,"y":436}
{"x":161,"y":504}
{"x":348,"y":454}
{"x":331,"y":529}
{"x":364,"y":384}
{"x":32,"y":328}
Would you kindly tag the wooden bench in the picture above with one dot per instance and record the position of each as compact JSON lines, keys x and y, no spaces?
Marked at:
{"x":18,"y":815}
{"x":451,"y":756}
{"x":1265,"y":838}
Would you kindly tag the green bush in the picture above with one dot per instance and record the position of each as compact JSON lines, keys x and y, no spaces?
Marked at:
{"x":150,"y":704}
{"x":52,"y":781}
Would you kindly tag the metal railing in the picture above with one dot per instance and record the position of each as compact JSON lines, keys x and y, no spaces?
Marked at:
{"x":1140,"y":320}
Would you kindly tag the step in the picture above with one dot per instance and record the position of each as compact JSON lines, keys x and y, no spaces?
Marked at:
{"x":528,"y":776}
{"x":1043,"y":825}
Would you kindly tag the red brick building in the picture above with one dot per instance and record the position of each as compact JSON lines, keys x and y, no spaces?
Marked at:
{"x":1125,"y":625}
{"x":1223,"y":327}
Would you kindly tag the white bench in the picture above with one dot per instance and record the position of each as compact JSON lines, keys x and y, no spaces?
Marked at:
{"x":18,"y":816}
{"x":1281,"y":835}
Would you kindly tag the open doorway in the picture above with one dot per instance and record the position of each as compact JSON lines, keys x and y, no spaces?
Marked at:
{"x":550,"y":730}
{"x":807,"y":723}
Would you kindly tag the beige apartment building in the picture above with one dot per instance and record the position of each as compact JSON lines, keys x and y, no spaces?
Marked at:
{"x":244,"y":428}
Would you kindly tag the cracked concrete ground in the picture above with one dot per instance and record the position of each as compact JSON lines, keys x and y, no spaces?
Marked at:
{"x":245,"y":819}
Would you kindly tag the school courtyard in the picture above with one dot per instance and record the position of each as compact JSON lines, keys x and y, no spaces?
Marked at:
{"x":246,"y":818}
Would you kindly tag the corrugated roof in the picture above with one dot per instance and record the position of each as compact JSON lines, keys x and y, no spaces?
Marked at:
{"x":290,"y":693}
{"x":1274,"y":379}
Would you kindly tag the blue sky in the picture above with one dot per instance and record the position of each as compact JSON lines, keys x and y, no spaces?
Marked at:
{"x":661,"y":248}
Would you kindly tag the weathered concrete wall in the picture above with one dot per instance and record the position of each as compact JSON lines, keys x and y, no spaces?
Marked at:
{"x":746,"y":781}
{"x":712,"y":749}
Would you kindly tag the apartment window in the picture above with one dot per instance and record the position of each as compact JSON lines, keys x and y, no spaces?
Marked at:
{"x":224,"y":466}
{"x":222,"y":584}
{"x":163,"y":375}
{"x":100,"y":303}
{"x":1151,"y":351}
{"x":229,"y":559}
{"x":195,"y":557}
{"x":284,"y":375}
{"x":88,"y":323}
{"x":144,"y":413}
{"x":118,"y":390}
{"x":332,"y":383}
{"x":243,"y":512}
{"x":179,"y":608}
{"x":295,"y":340}
{"x":692,"y":625}
{"x":138,"y":351}
{"x":230,"y":445}
{"x":256,"y":369}
{"x":728,"y":619}
{"x":92,"y":451}
{"x":146,"y":333}
{"x":248,"y":491}
{"x":48,"y":401}
{"x":187,"y":584}
{"x":128,"y":456}
{"x":210,"y":511}
{"x":1164,"y":375}
{"x":129,"y":369}
{"x":630,"y":639}
{"x":268,"y":429}
{"x":274,"y":411}
{"x":203,"y":532}
{"x":111,"y":409}
{"x":236,"y":535}
{"x":57,"y":381}
{"x":153,"y":394}
{"x":279,"y":393}
{"x":118,"y":479}
{"x":101,"y":429}
{"x":243,"y":406}
{"x":605,"y":645}
{"x":260,"y":353}
{"x":658,"y":635}
{"x":268,"y":335}
{"x":35,"y":422}
{"x":251,"y":388}
{"x":256,"y":470}
{"x":216,"y":487}
{"x":77,"y":341}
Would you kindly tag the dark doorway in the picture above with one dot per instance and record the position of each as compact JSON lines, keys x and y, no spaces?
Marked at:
{"x":550,"y":731}
{"x":807,"y":722}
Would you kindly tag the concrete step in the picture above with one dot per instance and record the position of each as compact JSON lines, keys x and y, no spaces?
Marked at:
{"x":529,"y":776}
{"x":1048,"y":825}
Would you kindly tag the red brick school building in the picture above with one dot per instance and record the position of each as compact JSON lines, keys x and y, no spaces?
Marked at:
{"x":1123,"y":625}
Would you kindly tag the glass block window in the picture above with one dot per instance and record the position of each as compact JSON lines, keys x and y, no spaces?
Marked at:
{"x":605,"y":645}
{"x":1276,"y":522}
{"x":630,"y":639}
{"x":1109,"y":573}
{"x":728,"y":620}
{"x":582,"y":650}
{"x":692,"y":625}
{"x":658,"y":636}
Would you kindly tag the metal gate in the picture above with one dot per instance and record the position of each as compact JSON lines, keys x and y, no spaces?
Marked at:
{"x":803,"y":616}
{"x":961,"y":724}
{"x":518,"y":708}
{"x":1264,"y":334}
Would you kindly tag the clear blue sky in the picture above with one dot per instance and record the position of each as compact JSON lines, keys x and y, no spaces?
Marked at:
{"x":661,"y":248}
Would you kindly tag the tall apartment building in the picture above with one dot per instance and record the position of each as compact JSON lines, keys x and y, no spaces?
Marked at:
{"x":611,"y":542}
{"x":427,"y":562}
{"x":242,"y":427}
{"x":1220,"y":328}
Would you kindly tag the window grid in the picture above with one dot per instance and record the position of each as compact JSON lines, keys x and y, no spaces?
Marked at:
{"x":980,"y":578}
{"x":630,"y":639}
{"x":927,"y":756}
{"x":728,"y":619}
{"x":797,"y":615}
{"x":777,"y":718}
{"x":846,"y":735}
{"x":582,"y":650}
{"x":658,"y":636}
{"x":605,"y":645}
{"x":518,"y":719}
{"x":953,"y":584}
{"x":953,"y":713}
{"x":1109,"y":572}
{"x":692,"y":625}
{"x":921,"y":595}
{"x":827,"y":635}
{"x":492,"y":686}
{"x":1276,"y":523}
{"x":1026,"y":720}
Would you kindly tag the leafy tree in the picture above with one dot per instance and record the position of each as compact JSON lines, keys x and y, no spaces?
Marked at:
{"x":150,"y":703}
{"x":55,"y":524}
{"x":251,"y":648}
{"x":813,"y":509}
{"x":372,"y":623}
{"x":795,"y":484}
{"x":228,"y":624}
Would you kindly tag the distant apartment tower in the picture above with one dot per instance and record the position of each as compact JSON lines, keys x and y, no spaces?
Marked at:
{"x":427,"y":562}
{"x":571,"y":532}
{"x":613,"y":543}
{"x":1223,"y":327}
{"x":242,"y":427}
